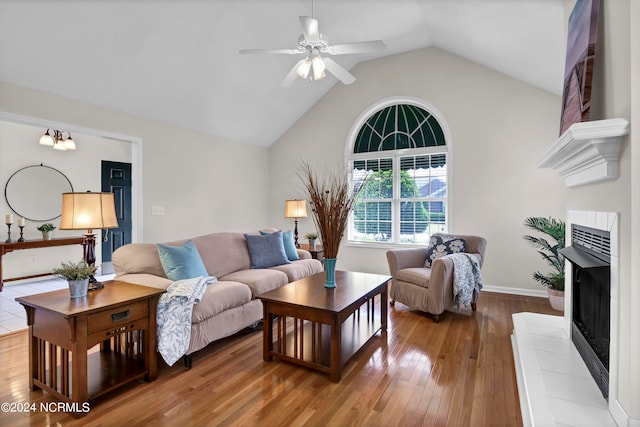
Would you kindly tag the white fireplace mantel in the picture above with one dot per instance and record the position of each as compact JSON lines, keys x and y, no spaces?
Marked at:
{"x":587,"y":152}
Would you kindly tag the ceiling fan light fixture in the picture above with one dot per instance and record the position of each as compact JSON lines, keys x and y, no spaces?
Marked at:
{"x":318,"y":68}
{"x":313,"y":44}
{"x":304,"y":68}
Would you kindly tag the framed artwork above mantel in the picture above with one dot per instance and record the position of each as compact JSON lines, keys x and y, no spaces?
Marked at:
{"x":580,"y":58}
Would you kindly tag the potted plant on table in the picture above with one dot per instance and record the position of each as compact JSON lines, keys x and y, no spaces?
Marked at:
{"x":554,"y":280}
{"x":47,"y":229}
{"x":77,"y":276}
{"x":312,"y":239}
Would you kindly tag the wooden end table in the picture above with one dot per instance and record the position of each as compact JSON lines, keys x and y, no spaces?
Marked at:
{"x":317,"y":253}
{"x":121,"y":317}
{"x":328,"y":328}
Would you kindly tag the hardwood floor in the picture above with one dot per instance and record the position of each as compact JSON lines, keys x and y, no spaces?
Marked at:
{"x":458,"y":372}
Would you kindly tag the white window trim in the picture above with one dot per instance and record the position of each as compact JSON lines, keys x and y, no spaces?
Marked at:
{"x":350,"y":157}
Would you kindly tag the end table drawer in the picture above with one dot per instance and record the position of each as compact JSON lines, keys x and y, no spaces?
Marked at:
{"x":115,"y":317}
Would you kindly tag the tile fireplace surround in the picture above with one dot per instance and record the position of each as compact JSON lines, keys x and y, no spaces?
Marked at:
{"x":555,"y":387}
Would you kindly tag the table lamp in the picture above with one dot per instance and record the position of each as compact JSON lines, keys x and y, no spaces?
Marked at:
{"x":295,"y":209}
{"x":88,"y":211}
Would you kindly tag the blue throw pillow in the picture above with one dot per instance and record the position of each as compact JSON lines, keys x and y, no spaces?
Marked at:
{"x":289,"y":244}
{"x":267,"y":250}
{"x":181,"y":262}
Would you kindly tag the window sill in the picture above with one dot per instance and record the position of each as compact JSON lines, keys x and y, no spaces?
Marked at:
{"x":387,"y":246}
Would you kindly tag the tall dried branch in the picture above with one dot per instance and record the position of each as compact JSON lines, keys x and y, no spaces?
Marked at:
{"x":331,"y":198}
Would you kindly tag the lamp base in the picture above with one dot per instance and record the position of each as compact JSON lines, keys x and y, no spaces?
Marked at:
{"x":94,"y":284}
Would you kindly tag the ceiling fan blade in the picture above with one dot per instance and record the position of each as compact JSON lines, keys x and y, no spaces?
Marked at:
{"x":280,"y":51}
{"x":310,"y":28}
{"x":358,"y":47}
{"x":291,"y":77}
{"x":336,"y":69}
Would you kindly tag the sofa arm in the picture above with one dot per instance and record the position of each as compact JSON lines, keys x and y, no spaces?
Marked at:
{"x":405,"y":258}
{"x":303,"y":254}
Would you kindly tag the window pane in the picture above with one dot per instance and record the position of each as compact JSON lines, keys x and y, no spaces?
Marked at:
{"x":372,"y":221}
{"x":379,"y":175}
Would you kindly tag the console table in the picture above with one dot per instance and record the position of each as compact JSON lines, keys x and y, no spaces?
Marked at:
{"x":121,"y":317}
{"x":34,"y":244}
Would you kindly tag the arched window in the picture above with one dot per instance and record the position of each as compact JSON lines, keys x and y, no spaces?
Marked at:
{"x":401,"y":149}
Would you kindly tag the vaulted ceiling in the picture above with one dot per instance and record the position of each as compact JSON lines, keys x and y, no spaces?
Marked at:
{"x":178,"y":61}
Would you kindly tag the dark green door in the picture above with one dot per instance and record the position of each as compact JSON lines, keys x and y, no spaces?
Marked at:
{"x":116,"y":178}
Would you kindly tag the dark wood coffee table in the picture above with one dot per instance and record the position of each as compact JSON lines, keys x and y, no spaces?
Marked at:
{"x":328,"y":327}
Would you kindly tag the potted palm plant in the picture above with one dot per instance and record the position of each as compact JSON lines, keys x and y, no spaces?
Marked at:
{"x":554,"y":280}
{"x":77,"y":276}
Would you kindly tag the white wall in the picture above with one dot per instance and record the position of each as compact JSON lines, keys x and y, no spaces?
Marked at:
{"x":631,"y":312}
{"x":205,"y":183}
{"x":19,"y":148}
{"x":499,"y":126}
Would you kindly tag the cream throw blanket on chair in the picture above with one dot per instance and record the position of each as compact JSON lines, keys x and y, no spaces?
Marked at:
{"x":466,"y":278}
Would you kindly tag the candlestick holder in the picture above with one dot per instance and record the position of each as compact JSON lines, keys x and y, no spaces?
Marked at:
{"x":21,"y":239}
{"x":8,"y":233}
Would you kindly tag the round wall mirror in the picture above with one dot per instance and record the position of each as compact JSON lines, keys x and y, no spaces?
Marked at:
{"x":35,"y":192}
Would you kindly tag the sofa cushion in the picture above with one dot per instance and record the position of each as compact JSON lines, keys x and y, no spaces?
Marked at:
{"x":181,"y":262}
{"x":300,"y":269}
{"x":440,"y":246}
{"x":259,"y":280}
{"x":417,"y":275}
{"x":288,"y":242}
{"x":218,"y":297}
{"x":223,"y":253}
{"x":266,"y":250}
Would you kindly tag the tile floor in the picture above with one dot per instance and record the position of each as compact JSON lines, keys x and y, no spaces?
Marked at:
{"x":556,"y":388}
{"x":12,"y":315}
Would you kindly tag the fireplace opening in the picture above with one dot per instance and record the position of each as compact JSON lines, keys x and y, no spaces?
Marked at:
{"x":591,"y":299}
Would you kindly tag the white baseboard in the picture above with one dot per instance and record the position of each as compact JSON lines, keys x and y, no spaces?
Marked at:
{"x":516,"y":291}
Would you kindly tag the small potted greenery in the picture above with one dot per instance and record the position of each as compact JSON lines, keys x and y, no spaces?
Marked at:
{"x":46,"y":229}
{"x":77,"y":276}
{"x":312,"y":239}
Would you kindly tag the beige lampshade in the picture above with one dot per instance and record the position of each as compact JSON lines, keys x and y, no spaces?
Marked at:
{"x":81,"y":211}
{"x":295,"y":209}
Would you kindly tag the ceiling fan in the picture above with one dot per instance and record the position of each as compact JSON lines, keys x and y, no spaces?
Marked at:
{"x":313,"y":44}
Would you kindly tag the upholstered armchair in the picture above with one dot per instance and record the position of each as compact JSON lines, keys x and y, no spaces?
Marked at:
{"x":428,"y":289}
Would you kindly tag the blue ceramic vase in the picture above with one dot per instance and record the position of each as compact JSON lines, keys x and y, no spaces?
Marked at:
{"x":330,"y":272}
